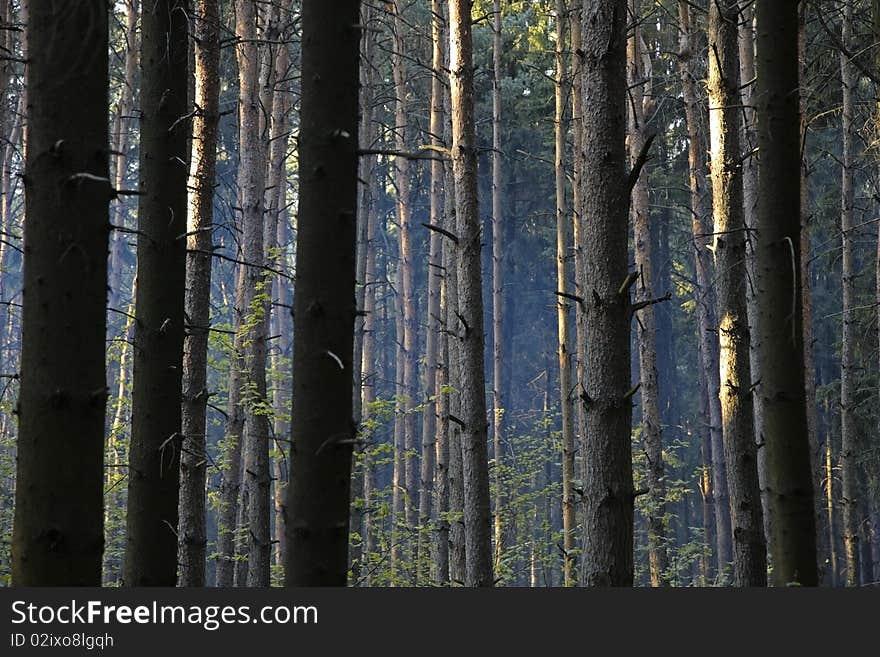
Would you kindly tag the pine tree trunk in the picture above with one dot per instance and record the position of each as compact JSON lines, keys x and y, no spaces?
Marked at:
{"x":705,"y":297}
{"x":472,"y":412}
{"x":606,"y":282}
{"x":156,"y":440}
{"x":848,"y":366}
{"x":58,"y":535}
{"x":652,"y":437}
{"x":563,"y":304}
{"x":793,"y":540}
{"x":322,"y":428}
{"x":497,"y":291}
{"x":193,"y":461}
{"x":737,"y":416}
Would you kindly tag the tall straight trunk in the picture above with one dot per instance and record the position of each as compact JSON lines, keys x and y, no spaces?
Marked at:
{"x":830,"y":504}
{"x":193,"y":461}
{"x":434,"y":322}
{"x":848,"y":365}
{"x":58,"y":526}
{"x":577,"y":229}
{"x":497,"y":290}
{"x":251,"y":189}
{"x":472,"y":413}
{"x":606,"y":398}
{"x":705,"y":297}
{"x":398,"y":475}
{"x":122,"y":128}
{"x":322,"y":428}
{"x":156,"y":440}
{"x":562,"y":307}
{"x":652,"y":437}
{"x":406,"y":272}
{"x":750,"y":217}
{"x":740,"y":450}
{"x":793,"y":540}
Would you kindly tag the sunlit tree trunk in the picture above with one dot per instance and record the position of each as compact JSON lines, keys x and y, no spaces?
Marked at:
{"x":793,"y":540}
{"x":705,"y":295}
{"x":193,"y":461}
{"x":638,"y":80}
{"x":605,"y":282}
{"x":323,"y":430}
{"x":729,"y":248}
{"x":154,"y":459}
{"x":563,"y":304}
{"x":472,"y":412}
{"x":58,"y":533}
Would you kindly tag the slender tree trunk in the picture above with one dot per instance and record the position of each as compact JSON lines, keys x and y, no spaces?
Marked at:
{"x":829,"y":506}
{"x":193,"y":461}
{"x":156,"y":440}
{"x":475,"y":470}
{"x":323,"y":429}
{"x":562,"y":308}
{"x":606,"y":398}
{"x":707,"y":571}
{"x":740,"y":450}
{"x":705,"y":299}
{"x":406,"y":273}
{"x":750,"y":216}
{"x":497,"y":290}
{"x":652,"y":437}
{"x":793,"y":542}
{"x":848,"y":365}
{"x":58,"y":533}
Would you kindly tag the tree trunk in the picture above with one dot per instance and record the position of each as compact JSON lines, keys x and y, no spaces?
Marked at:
{"x":156,"y":440}
{"x":606,"y":396}
{"x":848,"y":365}
{"x":652,"y":437}
{"x":193,"y":461}
{"x":322,"y":428}
{"x":58,"y":533}
{"x":705,"y":297}
{"x":737,"y":416}
{"x":793,"y":540}
{"x":475,"y":469}
{"x":563,"y":305}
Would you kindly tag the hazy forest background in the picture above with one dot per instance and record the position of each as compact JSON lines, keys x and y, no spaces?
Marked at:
{"x":428,"y":483}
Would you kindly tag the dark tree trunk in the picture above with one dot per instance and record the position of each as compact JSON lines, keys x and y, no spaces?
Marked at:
{"x":58,"y":526}
{"x":156,"y":440}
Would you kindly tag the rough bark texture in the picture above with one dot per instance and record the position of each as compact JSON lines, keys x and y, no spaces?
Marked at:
{"x":705,"y":297}
{"x":606,"y":281}
{"x":563,"y":306}
{"x":740,"y":451}
{"x":472,"y":413}
{"x":58,"y":527}
{"x":638,"y":73}
{"x":793,"y":540}
{"x":156,"y":440}
{"x":193,"y":461}
{"x":848,"y":364}
{"x":322,"y":428}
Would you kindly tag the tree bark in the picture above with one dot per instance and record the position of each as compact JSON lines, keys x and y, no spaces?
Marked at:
{"x":193,"y":460}
{"x":475,"y":470}
{"x":652,"y":435}
{"x":58,"y":526}
{"x":793,"y":540}
{"x":322,"y":428}
{"x":605,"y":282}
{"x":848,"y":366}
{"x":156,"y":440}
{"x":729,"y":248}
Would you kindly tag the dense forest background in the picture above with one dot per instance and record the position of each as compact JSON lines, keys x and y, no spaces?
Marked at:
{"x":407,"y":506}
